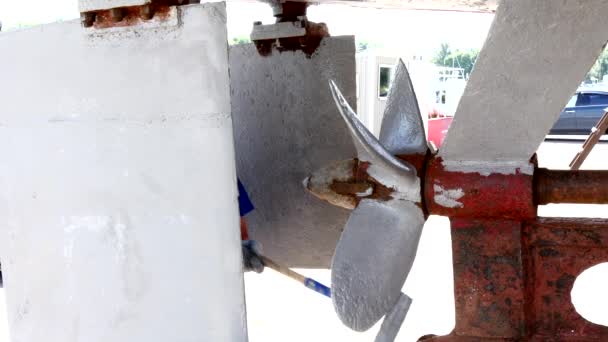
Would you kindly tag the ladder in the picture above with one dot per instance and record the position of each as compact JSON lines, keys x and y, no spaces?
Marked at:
{"x":592,"y":139}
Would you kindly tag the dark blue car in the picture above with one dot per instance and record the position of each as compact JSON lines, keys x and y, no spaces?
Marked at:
{"x":582,"y":112}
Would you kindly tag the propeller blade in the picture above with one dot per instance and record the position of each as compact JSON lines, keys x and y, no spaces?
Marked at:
{"x":378,"y":245}
{"x":402,"y":130}
{"x":384,"y":167}
{"x":535,"y":56}
{"x":372,"y":260}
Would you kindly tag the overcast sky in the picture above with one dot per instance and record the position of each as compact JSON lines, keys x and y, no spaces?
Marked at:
{"x":416,"y":31}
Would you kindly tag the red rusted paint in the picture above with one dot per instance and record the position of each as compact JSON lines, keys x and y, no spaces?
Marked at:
{"x":512,"y":279}
{"x":488,"y":278}
{"x":557,"y":251}
{"x":418,"y":161}
{"x":565,"y":186}
{"x":504,"y":196}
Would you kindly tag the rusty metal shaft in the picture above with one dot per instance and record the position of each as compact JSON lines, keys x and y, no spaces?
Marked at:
{"x":567,"y":186}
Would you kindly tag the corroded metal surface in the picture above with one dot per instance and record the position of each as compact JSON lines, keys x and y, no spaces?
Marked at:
{"x":565,"y":186}
{"x":131,"y":15}
{"x":488,"y":278}
{"x":513,"y":279}
{"x":558,"y":250}
{"x":471,"y":194}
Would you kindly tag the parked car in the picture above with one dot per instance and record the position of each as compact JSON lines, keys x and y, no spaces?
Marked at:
{"x":582,"y":112}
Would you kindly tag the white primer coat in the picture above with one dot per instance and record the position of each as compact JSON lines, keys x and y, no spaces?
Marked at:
{"x":447,"y":197}
{"x":405,"y":188}
{"x":118,"y":198}
{"x":365,"y":193}
{"x":488,"y":168}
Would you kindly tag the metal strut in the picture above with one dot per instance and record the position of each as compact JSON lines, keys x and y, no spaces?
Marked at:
{"x":292,"y":30}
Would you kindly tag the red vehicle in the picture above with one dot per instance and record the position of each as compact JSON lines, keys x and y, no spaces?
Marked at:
{"x":439,"y":123}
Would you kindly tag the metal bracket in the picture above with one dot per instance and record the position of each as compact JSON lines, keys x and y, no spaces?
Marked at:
{"x":291,"y":32}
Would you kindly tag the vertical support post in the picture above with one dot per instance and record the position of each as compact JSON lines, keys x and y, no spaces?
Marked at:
{"x":488,"y":278}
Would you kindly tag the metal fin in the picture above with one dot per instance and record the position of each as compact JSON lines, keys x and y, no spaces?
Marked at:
{"x":402,"y":130}
{"x":532,"y":62}
{"x":386,"y":168}
{"x":372,"y":260}
{"x":394,"y":320}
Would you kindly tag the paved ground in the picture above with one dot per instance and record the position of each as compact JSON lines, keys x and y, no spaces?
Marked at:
{"x":280,"y":310}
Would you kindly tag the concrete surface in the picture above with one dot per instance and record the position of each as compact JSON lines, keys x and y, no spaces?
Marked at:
{"x":118,"y":211}
{"x":279,"y":309}
{"x":532,"y":62}
{"x":286,"y":126}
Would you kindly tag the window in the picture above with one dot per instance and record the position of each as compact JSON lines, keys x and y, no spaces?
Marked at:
{"x":572,"y":101}
{"x":592,"y":99}
{"x":385,"y":75}
{"x":440,"y":96}
{"x":598,"y":99}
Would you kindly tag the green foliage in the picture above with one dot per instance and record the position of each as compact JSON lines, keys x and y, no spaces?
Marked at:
{"x":240,"y":40}
{"x":457,"y":59}
{"x":599,"y":69}
{"x":362,"y":46}
{"x":442,"y":54}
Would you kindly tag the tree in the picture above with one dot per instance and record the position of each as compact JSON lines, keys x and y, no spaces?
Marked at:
{"x":458,"y":59}
{"x":599,"y":69}
{"x":442,"y":54}
{"x":240,"y":40}
{"x":362,"y":46}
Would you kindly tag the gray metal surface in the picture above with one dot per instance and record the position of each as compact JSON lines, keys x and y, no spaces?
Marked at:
{"x":285,"y":125}
{"x":402,"y":130}
{"x":373,"y":258}
{"x":535,"y":56}
{"x":394,"y":319}
{"x":378,"y":245}
{"x":384,"y":167}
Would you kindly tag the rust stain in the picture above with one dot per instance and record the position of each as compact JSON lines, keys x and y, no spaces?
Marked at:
{"x":566,"y":186}
{"x":361,"y":182}
{"x":315,"y":32}
{"x":131,"y":15}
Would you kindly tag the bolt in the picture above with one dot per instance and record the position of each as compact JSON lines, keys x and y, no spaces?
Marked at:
{"x":257,"y":23}
{"x":146,"y":12}
{"x":117,"y":14}
{"x":87,"y":19}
